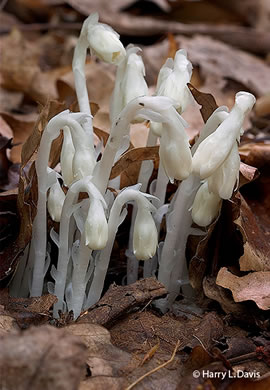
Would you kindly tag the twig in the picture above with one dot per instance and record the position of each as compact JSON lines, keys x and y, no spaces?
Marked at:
{"x":156,"y":368}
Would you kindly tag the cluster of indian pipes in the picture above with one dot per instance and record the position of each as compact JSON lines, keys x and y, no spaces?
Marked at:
{"x":208,"y":173}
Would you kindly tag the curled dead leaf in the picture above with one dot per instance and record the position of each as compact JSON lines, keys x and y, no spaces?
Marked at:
{"x":255,"y":286}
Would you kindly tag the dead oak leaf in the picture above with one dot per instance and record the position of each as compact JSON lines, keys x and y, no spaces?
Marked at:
{"x":254,"y":286}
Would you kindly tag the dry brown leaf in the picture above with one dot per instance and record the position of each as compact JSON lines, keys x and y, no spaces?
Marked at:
{"x":206,"y":100}
{"x":254,"y":286}
{"x":41,"y":358}
{"x":134,"y":156}
{"x":21,"y":126}
{"x":247,"y":174}
{"x":7,"y":323}
{"x":28,"y":311}
{"x":130,"y":24}
{"x":256,"y":248}
{"x":216,"y":59}
{"x":255,"y":154}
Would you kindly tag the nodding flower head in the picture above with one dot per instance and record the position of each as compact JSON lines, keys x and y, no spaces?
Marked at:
{"x":55,"y":202}
{"x":214,"y":149}
{"x":145,"y":236}
{"x":173,"y":78}
{"x":129,"y":83}
{"x":206,"y":206}
{"x":175,"y":154}
{"x":96,"y":227}
{"x":224,"y":179}
{"x":105,"y":43}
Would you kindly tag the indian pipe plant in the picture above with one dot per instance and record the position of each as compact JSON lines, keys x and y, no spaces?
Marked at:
{"x":208,"y":173}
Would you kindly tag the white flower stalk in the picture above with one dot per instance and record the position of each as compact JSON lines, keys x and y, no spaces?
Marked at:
{"x":66,"y":157}
{"x":222,"y":181}
{"x":105,"y":43}
{"x":116,"y":218}
{"x":206,"y":206}
{"x":39,"y":235}
{"x":172,"y":264}
{"x":173,"y":78}
{"x":55,"y":201}
{"x":129,"y":83}
{"x":83,"y":185}
{"x":214,"y":149}
{"x":96,"y":227}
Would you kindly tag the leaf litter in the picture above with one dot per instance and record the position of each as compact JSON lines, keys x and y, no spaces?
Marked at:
{"x":228,"y":328}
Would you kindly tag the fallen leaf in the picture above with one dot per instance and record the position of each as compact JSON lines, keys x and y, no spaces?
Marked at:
{"x":206,"y":100}
{"x":42,"y":358}
{"x":134,"y":156}
{"x":22,"y":127}
{"x":216,"y":59}
{"x":254,"y":286}
{"x":129,"y":24}
{"x":256,"y":247}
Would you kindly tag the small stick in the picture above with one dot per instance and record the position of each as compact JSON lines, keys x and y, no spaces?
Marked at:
{"x":155,"y":369}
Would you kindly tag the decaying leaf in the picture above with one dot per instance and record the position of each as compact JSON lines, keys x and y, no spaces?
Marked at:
{"x":216,"y":59}
{"x":255,"y":286}
{"x":21,"y":126}
{"x":256,"y":248}
{"x":206,"y":100}
{"x":41,"y":358}
{"x":134,"y":156}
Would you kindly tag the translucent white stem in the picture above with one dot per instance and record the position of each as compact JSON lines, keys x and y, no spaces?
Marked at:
{"x":78,"y":66}
{"x":83,"y":185}
{"x":39,"y":235}
{"x":79,"y":281}
{"x":172,"y":263}
{"x":102,"y":263}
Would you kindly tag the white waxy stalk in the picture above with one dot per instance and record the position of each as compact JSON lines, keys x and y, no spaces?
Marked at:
{"x":96,"y":227}
{"x":214,"y":149}
{"x":115,"y":219}
{"x":206,"y":206}
{"x":173,"y":79}
{"x":104,"y":41}
{"x":172,"y":263}
{"x":129,"y":83}
{"x":83,"y":185}
{"x":55,"y":201}
{"x":223,"y":180}
{"x":39,"y":235}
{"x":66,"y":157}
